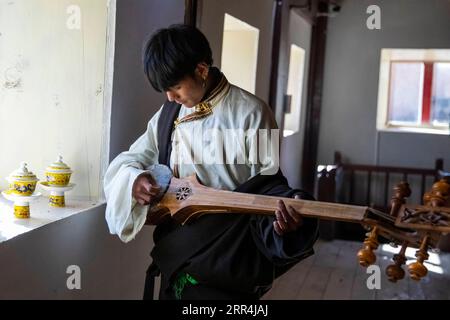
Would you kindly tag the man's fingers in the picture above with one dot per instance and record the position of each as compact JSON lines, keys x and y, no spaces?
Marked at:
{"x":153,"y":184}
{"x":295,"y":216}
{"x":144,"y":189}
{"x":151,"y":193}
{"x":145,"y":185}
{"x":143,"y":199}
{"x":149,"y":189}
{"x":281,"y":222}
{"x":287,"y":216}
{"x":147,"y":198}
{"x":155,"y":190}
{"x":277,"y":228}
{"x":154,"y":187}
{"x":281,"y":207}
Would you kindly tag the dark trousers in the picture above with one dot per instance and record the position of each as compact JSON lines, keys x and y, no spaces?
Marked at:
{"x":193,"y":292}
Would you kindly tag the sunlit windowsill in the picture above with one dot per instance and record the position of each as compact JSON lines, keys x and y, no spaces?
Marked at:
{"x":41,"y":214}
{"x":415,"y":130}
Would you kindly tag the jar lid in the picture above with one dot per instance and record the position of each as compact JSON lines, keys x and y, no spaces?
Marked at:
{"x":22,"y":174}
{"x":59,"y":166}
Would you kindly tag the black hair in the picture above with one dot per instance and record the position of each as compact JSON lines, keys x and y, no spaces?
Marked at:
{"x":173,"y":53}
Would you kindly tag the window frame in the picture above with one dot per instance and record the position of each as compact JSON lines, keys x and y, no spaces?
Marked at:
{"x":426,"y":56}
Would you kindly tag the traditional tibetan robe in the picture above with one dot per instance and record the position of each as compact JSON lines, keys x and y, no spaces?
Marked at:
{"x":220,"y":141}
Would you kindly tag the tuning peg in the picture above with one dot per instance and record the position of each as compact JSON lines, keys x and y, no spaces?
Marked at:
{"x":426,"y":198}
{"x":439,"y":195}
{"x":401,"y":192}
{"x":366,"y":257}
{"x":417,"y":270}
{"x":395,"y":271}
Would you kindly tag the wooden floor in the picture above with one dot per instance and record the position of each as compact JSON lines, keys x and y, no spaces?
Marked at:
{"x":334,"y":273}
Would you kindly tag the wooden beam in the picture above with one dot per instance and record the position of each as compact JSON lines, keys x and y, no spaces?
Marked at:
{"x":276,"y":39}
{"x":190,"y":13}
{"x":315,"y":85}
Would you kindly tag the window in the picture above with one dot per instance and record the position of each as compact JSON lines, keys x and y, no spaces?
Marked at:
{"x":294,"y":91}
{"x":414,"y":91}
{"x":240,"y":53}
{"x":53,"y":64}
{"x":440,"y":103}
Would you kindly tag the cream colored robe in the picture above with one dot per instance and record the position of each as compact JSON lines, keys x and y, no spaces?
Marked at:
{"x":235,"y":109}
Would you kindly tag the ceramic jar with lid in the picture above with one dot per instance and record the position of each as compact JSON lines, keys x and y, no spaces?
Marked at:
{"x":22,"y":182}
{"x":58,"y":173}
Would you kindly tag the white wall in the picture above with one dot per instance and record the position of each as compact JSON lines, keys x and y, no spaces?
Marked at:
{"x":51,"y":88}
{"x":34,"y":264}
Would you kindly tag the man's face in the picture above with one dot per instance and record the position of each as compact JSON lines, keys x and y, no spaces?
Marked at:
{"x":188,"y":91}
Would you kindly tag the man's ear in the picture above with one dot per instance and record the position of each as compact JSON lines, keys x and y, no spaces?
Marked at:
{"x":202,"y":70}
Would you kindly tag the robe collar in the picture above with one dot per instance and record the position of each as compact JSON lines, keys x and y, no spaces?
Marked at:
{"x":219,"y":88}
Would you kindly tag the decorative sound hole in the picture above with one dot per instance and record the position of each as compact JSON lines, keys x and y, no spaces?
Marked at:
{"x":183,"y":193}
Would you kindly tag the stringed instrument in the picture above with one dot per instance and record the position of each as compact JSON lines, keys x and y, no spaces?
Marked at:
{"x":415,"y":226}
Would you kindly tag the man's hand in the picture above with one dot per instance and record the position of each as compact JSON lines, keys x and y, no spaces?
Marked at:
{"x":144,"y":189}
{"x":287,"y":219}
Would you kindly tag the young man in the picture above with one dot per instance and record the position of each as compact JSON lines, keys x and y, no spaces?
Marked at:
{"x":218,"y":256}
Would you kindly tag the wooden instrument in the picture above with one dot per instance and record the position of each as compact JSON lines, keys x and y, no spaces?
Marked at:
{"x":413,"y":226}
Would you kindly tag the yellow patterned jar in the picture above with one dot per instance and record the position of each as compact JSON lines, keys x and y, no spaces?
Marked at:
{"x":58,"y":173}
{"x":22,"y":182}
{"x":22,"y":212}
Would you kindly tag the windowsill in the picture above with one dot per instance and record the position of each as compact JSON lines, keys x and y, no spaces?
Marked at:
{"x":41,"y":214}
{"x":415,"y":130}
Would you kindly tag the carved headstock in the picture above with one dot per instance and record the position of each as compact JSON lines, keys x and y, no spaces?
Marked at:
{"x":418,"y":226}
